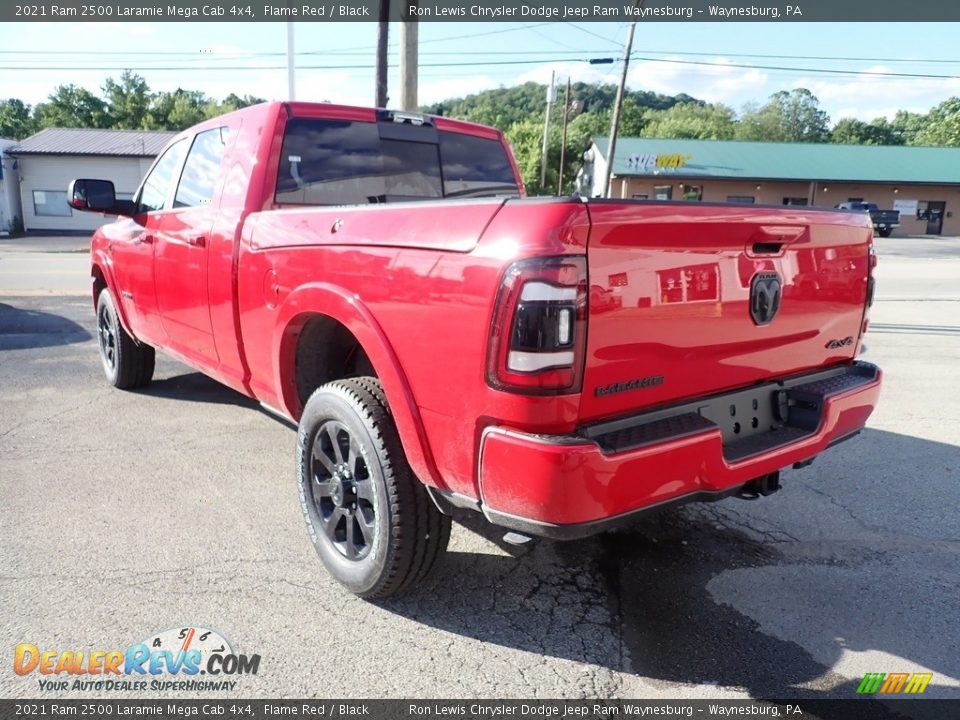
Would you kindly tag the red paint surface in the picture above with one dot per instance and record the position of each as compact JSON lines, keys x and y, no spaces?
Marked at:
{"x":416,"y":285}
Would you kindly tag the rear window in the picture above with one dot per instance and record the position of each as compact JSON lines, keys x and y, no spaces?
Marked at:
{"x":340,"y":162}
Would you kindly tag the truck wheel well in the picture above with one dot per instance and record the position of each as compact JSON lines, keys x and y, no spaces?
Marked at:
{"x":327,"y":351}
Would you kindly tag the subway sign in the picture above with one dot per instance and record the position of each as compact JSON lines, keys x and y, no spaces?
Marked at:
{"x":651,"y":162}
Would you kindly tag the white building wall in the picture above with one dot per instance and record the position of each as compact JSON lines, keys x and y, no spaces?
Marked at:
{"x":42,"y":174}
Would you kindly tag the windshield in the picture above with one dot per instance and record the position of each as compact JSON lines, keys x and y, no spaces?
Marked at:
{"x":344,"y":162}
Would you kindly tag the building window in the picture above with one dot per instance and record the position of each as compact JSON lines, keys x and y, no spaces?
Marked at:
{"x":640,"y":196}
{"x":741,"y":199}
{"x":51,"y":203}
{"x":795,"y":201}
{"x":692,"y":192}
{"x":662,"y":192}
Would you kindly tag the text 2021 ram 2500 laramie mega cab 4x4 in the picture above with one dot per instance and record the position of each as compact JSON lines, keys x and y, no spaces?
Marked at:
{"x":380,"y":279}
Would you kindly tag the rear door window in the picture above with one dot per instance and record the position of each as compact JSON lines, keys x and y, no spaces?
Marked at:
{"x":343,"y":162}
{"x":475,"y":166}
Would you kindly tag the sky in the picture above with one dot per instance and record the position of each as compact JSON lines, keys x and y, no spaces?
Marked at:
{"x":733,"y":63}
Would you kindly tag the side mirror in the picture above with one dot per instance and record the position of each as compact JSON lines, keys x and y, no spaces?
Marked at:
{"x":97,"y":196}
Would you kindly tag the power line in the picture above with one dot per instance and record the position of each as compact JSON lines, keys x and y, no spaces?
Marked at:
{"x":831,"y":58}
{"x":240,"y":57}
{"x":823,"y":71}
{"x":283,"y":67}
{"x":359,"y":49}
{"x":210,"y":55}
{"x":495,"y":63}
{"x":590,"y":32}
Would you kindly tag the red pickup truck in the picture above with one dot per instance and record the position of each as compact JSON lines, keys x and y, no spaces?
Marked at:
{"x":557,"y":364}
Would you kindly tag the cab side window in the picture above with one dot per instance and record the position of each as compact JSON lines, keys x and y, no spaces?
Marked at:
{"x":199,"y":178}
{"x":156,"y":188}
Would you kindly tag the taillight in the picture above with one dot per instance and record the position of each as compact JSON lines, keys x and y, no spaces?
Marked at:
{"x":539,"y":331}
{"x":871,"y":290}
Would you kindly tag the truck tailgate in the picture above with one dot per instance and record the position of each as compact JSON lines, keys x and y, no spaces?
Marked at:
{"x":688,"y":300}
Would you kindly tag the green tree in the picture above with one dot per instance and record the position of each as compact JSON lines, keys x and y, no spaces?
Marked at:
{"x":941,"y":126}
{"x":793,"y":116}
{"x":70,"y":106}
{"x":235,"y":102}
{"x":850,"y":131}
{"x":16,"y":122}
{"x":503,"y":107}
{"x":128,"y":101}
{"x":908,"y":125}
{"x":695,"y":121}
{"x":230,"y":103}
{"x":175,"y":110}
{"x":526,"y":139}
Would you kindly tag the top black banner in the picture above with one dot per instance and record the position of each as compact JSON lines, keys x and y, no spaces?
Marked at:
{"x":482,"y":11}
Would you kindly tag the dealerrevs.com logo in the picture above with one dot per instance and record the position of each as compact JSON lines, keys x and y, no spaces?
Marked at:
{"x":172,"y":660}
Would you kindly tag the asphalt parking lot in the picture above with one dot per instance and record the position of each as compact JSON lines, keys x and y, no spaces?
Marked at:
{"x":127,"y":513}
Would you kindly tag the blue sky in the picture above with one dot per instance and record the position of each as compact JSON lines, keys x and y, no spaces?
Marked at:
{"x":347,"y":52}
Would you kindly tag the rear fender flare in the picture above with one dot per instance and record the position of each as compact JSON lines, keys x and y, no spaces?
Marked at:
{"x":346,"y":308}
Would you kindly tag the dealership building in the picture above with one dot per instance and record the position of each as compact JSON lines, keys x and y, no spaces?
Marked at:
{"x":48,"y":161}
{"x":923,"y":183}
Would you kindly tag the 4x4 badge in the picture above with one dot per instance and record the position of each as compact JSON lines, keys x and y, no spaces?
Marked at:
{"x":837,"y":344}
{"x":764,"y":297}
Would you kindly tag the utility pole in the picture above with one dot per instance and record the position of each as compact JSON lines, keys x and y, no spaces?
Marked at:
{"x":408,"y":59}
{"x":383,"y":28}
{"x":563,"y":141}
{"x":291,"y":65}
{"x":546,"y":133}
{"x":618,"y":104}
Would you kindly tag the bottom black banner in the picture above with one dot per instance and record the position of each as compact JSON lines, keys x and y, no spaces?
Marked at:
{"x":854,"y":709}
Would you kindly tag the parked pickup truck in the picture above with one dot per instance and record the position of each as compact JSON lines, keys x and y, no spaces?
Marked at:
{"x":379,"y":278}
{"x":884,"y":221}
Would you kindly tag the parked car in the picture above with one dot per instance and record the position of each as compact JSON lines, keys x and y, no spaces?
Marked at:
{"x":884,"y":221}
{"x":442,"y":341}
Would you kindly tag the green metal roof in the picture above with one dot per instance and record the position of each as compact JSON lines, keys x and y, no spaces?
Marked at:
{"x":649,"y":157}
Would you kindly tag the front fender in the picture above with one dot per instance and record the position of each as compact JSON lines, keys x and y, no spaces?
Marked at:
{"x":99,"y":260}
{"x":345,"y":307}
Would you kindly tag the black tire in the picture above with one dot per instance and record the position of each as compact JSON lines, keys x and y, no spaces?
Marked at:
{"x":885,"y":232}
{"x":126,"y":363}
{"x":369,"y":518}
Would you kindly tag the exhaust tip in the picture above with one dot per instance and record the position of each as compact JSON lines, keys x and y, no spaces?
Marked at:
{"x":764,"y":485}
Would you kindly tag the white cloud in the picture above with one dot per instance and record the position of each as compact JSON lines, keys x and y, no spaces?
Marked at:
{"x":718,"y":82}
{"x":431,"y":91}
{"x":869,"y":96}
{"x":576,"y":71}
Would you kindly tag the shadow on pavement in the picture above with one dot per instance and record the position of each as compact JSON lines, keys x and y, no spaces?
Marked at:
{"x":21,"y":328}
{"x":689,"y":596}
{"x":197,"y":387}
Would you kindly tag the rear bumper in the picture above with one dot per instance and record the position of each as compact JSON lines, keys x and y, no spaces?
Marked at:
{"x":572,"y":486}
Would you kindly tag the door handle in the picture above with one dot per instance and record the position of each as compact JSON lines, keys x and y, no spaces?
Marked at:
{"x":197,"y":241}
{"x":143,"y":239}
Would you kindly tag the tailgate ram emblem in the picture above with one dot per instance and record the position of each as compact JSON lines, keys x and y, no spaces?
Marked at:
{"x":764,"y":297}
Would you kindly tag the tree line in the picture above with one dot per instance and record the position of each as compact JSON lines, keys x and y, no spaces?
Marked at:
{"x":794,"y":116}
{"x":125,"y":104}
